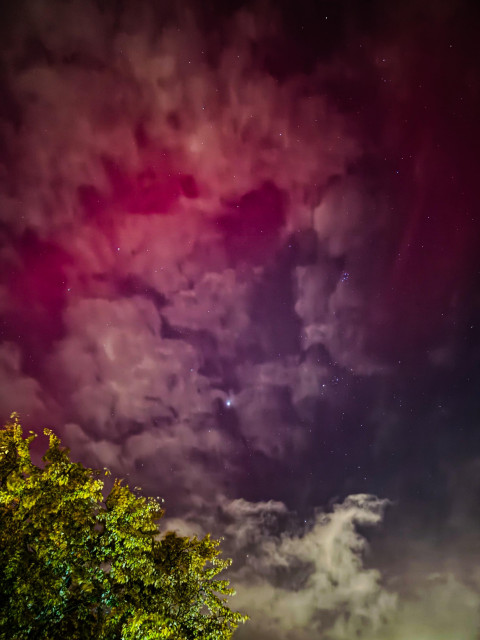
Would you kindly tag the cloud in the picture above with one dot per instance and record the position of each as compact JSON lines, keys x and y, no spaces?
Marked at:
{"x":151,"y":103}
{"x":123,"y":367}
{"x":216,"y":305}
{"x":157,"y":167}
{"x":134,"y":397}
{"x":316,"y":583}
{"x":160,"y":171}
{"x":189,"y":217}
{"x":19,"y":392}
{"x":297,"y":582}
{"x":440,"y":607}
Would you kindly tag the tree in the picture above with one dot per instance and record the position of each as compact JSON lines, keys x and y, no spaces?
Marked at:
{"x":76,"y":565}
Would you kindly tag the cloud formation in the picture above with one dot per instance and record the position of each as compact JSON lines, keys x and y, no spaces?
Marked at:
{"x":298,"y":580}
{"x":158,"y":214}
{"x":230,"y":242}
{"x":314,"y":582}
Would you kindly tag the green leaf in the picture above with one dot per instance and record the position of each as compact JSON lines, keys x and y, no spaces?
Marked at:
{"x":76,"y":565}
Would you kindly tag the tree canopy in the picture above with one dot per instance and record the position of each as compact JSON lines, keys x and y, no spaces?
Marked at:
{"x":76,"y":564}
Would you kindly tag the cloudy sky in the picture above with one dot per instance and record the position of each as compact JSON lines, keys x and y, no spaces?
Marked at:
{"x":239,"y":265}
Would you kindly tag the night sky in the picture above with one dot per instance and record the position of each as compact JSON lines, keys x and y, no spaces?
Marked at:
{"x":240,"y":266}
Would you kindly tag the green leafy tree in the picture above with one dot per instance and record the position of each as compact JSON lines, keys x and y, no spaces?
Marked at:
{"x":76,"y":565}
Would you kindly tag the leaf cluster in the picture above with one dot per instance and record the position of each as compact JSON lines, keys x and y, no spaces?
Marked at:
{"x":74,"y":564}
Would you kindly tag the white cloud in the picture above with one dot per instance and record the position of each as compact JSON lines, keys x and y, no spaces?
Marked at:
{"x":324,"y":589}
{"x":300,"y":582}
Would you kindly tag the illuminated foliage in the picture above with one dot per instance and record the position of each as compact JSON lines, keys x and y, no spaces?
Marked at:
{"x":76,"y":565}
